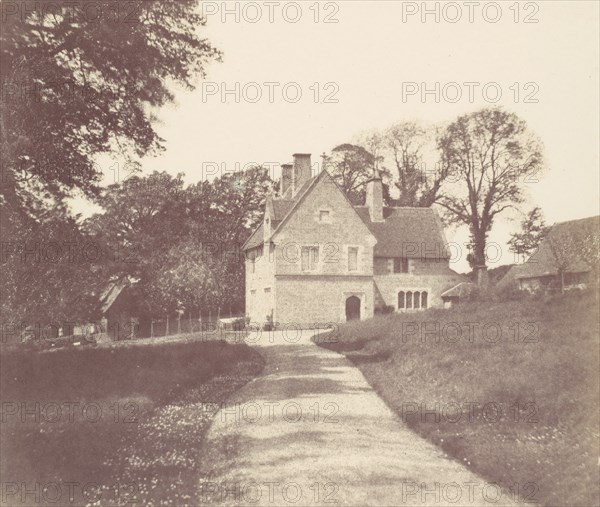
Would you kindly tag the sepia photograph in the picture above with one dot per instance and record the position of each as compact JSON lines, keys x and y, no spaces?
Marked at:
{"x":299,"y":253}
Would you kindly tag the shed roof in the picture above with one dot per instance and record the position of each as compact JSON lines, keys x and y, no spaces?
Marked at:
{"x":564,"y":245}
{"x":463,"y":289}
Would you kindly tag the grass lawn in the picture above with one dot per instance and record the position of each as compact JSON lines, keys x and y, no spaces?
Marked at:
{"x":511,"y":389}
{"x":113,"y":426}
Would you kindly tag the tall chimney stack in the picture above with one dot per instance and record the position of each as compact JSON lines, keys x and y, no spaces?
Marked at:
{"x":374,"y":198}
{"x":287,"y":177}
{"x":302,"y":170}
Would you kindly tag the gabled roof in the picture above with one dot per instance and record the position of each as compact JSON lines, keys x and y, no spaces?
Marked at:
{"x":255,"y":239}
{"x":283,"y":208}
{"x":565,"y":241}
{"x":305,"y":190}
{"x":407,"y":232}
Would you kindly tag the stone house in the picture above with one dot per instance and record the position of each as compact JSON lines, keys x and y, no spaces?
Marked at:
{"x":316,"y":258}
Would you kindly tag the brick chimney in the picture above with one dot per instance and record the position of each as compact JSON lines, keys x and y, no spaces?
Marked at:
{"x":287,"y":177}
{"x":374,"y":199}
{"x":302,"y":170}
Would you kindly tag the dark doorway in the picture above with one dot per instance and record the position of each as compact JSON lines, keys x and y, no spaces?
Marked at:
{"x":353,"y":308}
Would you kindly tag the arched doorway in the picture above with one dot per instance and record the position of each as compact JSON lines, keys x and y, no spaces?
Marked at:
{"x":353,"y":308}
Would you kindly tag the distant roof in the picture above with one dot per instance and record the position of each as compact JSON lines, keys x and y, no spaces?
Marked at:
{"x":567,"y":241}
{"x":510,"y":276}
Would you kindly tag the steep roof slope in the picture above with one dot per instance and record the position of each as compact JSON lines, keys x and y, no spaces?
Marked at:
{"x":408,"y":232}
{"x":111,"y":292}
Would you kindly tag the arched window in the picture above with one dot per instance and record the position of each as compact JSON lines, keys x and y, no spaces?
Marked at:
{"x":409,"y":300}
{"x":401,"y":300}
{"x":424,"y":299}
{"x":417,"y":299}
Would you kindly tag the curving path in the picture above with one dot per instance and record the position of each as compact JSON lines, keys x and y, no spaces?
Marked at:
{"x":311,"y":431}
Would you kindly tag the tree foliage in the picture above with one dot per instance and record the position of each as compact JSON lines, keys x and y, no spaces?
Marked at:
{"x":78,"y":82}
{"x":352,"y":166}
{"x":75,"y":87}
{"x":490,"y":153}
{"x":180,"y":245}
{"x":533,"y":231}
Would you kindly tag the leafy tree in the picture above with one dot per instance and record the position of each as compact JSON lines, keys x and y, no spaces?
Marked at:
{"x":49,"y":270}
{"x":141,"y":216}
{"x":533,"y":231}
{"x":181,"y":245}
{"x":490,"y":153}
{"x":229,"y":215}
{"x":184,"y":279}
{"x":352,"y":166}
{"x":74,"y":87}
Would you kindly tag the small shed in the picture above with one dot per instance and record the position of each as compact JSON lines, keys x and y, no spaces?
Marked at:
{"x":122,"y":315}
{"x":453,"y":296}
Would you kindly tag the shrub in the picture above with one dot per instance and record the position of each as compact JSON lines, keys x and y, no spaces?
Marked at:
{"x":384,"y":310}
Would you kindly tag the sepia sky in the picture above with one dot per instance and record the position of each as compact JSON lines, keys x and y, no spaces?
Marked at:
{"x":546,"y":72}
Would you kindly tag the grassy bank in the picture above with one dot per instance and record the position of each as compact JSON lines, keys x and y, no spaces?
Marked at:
{"x":112,"y":426}
{"x":510,"y":389}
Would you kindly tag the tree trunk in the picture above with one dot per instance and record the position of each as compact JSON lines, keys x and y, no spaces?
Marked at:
{"x":562,"y":281}
{"x":479,"y":259}
{"x":152,"y":329}
{"x":167,"y":330}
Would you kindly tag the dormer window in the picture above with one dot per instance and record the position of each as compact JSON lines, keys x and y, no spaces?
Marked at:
{"x":324,"y":215}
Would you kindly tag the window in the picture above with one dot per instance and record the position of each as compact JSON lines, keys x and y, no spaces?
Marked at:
{"x":267,"y":290}
{"x":324,"y":215}
{"x":416,"y":300}
{"x":252,"y":265}
{"x":409,"y":300}
{"x":352,"y":258}
{"x":400,"y":265}
{"x":401,"y":302}
{"x":309,"y":258}
{"x":412,"y":300}
{"x":253,"y":292}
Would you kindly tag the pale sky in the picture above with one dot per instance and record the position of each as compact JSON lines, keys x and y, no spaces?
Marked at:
{"x":369,"y":55}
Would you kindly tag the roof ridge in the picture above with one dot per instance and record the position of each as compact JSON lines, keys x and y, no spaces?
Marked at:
{"x":576,"y":220}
